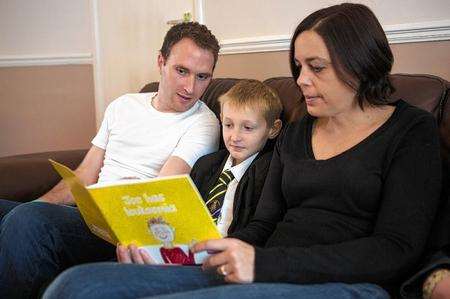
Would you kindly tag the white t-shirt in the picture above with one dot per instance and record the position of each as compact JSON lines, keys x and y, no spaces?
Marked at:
{"x":138,"y":139}
{"x":226,"y":213}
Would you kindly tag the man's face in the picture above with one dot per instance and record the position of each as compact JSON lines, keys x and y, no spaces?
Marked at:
{"x":185,"y":75}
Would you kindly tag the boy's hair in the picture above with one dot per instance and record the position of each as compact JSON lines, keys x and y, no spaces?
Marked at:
{"x":196,"y":32}
{"x":254,"y":94}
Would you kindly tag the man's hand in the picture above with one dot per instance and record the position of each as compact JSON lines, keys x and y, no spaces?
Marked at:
{"x":133,"y":255}
{"x":235,"y":260}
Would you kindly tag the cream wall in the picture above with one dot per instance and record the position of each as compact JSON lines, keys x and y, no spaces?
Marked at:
{"x":258,"y":66}
{"x":46,"y":108}
{"x":46,"y":77}
{"x":423,"y":58}
{"x":419,"y":58}
{"x":44,"y":27}
{"x":279,"y":17}
{"x":113,"y":44}
{"x":255,"y":35}
{"x":128,"y":36}
{"x":53,"y":52}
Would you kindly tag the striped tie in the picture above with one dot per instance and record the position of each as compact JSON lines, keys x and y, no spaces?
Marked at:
{"x":217,"y":194}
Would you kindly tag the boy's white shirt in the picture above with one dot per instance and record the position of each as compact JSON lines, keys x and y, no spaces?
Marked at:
{"x":226,"y":213}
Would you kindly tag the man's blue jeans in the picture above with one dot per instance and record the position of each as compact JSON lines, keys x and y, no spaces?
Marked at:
{"x":6,"y":206}
{"x":38,"y":241}
{"x":112,"y":280}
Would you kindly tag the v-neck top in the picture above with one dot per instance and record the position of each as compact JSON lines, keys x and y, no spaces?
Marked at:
{"x":309,"y":131}
{"x":360,"y":216}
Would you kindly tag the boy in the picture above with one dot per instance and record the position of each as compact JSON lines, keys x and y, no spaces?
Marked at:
{"x":231,"y":180}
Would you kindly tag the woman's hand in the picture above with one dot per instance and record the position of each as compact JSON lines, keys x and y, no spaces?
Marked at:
{"x":132,"y":255}
{"x":235,"y":259}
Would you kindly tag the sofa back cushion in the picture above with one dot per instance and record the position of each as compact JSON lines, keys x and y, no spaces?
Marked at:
{"x":428,"y":92}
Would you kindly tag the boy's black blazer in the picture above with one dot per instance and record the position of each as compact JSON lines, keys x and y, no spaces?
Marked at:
{"x":205,"y":174}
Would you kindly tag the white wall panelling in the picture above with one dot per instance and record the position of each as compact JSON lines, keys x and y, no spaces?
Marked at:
{"x":37,"y":60}
{"x":401,"y":33}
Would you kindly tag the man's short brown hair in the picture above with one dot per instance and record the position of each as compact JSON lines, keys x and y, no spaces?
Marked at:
{"x":197,"y":32}
{"x":256,"y":95}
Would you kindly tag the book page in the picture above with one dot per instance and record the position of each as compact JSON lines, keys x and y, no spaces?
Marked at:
{"x":163,"y":215}
{"x":173,"y":201}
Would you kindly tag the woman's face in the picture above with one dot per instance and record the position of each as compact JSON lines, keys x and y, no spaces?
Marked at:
{"x":325,"y":94}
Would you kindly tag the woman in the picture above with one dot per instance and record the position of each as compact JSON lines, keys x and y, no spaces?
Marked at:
{"x":349,"y":198}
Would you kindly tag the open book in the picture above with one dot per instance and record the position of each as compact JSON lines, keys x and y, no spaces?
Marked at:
{"x":162,"y":215}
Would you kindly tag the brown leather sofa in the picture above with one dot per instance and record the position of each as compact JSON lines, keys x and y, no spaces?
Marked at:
{"x":26,"y":177}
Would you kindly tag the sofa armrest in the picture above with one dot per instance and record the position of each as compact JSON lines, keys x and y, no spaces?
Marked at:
{"x":26,"y":177}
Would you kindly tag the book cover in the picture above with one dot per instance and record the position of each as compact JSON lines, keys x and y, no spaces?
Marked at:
{"x":162,"y":215}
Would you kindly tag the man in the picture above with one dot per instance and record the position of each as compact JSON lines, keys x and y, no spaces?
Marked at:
{"x":141,"y":136}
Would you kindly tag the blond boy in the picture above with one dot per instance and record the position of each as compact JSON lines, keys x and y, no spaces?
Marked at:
{"x":231,"y":180}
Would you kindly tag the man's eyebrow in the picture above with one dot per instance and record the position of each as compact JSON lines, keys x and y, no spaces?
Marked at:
{"x":180,"y":66}
{"x":186,"y":68}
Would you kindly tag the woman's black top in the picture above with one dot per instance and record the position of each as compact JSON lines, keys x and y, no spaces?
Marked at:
{"x":361,"y":216}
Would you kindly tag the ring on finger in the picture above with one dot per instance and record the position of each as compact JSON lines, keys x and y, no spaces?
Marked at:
{"x":223,"y":271}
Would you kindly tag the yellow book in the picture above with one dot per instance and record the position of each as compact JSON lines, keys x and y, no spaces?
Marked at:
{"x":162,"y":215}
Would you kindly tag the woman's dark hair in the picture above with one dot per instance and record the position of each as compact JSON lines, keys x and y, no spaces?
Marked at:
{"x":358,"y":48}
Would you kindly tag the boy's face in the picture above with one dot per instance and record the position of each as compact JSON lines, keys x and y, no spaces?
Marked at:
{"x":245,"y":131}
{"x":185,"y":75}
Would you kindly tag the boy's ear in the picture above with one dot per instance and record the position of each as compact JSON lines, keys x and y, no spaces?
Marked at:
{"x":276,"y":128}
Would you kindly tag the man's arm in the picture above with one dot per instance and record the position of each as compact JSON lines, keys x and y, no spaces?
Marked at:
{"x":200,"y":139}
{"x":174,"y":165}
{"x":88,"y":173}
